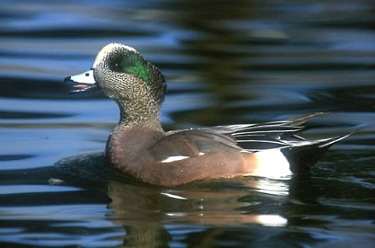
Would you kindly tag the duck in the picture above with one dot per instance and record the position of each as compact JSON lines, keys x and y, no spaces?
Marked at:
{"x":139,"y":147}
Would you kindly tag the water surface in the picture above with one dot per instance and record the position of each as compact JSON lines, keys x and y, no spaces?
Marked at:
{"x":226,"y":62}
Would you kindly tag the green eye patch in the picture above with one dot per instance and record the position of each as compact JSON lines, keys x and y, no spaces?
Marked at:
{"x":133,"y":64}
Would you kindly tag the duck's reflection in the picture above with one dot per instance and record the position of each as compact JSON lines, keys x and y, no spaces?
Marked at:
{"x":145,"y":210}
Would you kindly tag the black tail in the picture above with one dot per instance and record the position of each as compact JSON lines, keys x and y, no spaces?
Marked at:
{"x":302,"y":157}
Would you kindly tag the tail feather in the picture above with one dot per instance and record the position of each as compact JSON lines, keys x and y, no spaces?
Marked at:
{"x":301,"y":158}
{"x":298,"y":121}
{"x":330,"y":141}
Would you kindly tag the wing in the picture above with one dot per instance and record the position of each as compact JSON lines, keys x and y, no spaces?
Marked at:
{"x":192,"y":143}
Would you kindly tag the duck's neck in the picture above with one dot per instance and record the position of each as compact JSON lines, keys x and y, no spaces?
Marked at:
{"x":140,"y":115}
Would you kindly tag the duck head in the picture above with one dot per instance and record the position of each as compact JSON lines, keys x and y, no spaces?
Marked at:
{"x":124,"y":75}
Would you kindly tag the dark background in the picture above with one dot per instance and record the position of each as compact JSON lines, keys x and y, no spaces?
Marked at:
{"x":226,"y":62}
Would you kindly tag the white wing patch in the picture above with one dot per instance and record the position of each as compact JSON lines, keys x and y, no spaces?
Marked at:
{"x":178,"y":158}
{"x":174,"y":158}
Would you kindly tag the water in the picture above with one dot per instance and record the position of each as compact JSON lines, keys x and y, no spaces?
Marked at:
{"x":226,"y":62}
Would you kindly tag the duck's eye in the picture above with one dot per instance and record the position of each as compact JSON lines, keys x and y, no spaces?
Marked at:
{"x":115,"y":66}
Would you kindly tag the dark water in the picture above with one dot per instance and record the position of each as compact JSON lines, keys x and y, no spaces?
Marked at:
{"x":226,"y":62}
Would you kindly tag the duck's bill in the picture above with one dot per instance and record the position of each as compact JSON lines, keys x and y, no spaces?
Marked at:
{"x":82,"y":82}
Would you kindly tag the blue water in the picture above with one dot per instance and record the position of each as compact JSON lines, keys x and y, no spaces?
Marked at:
{"x":226,"y":62}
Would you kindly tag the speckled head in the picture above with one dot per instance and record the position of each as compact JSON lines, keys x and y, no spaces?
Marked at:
{"x":123,"y":74}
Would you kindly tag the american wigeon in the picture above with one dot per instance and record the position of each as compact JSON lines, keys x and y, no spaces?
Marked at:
{"x":139,"y":147}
